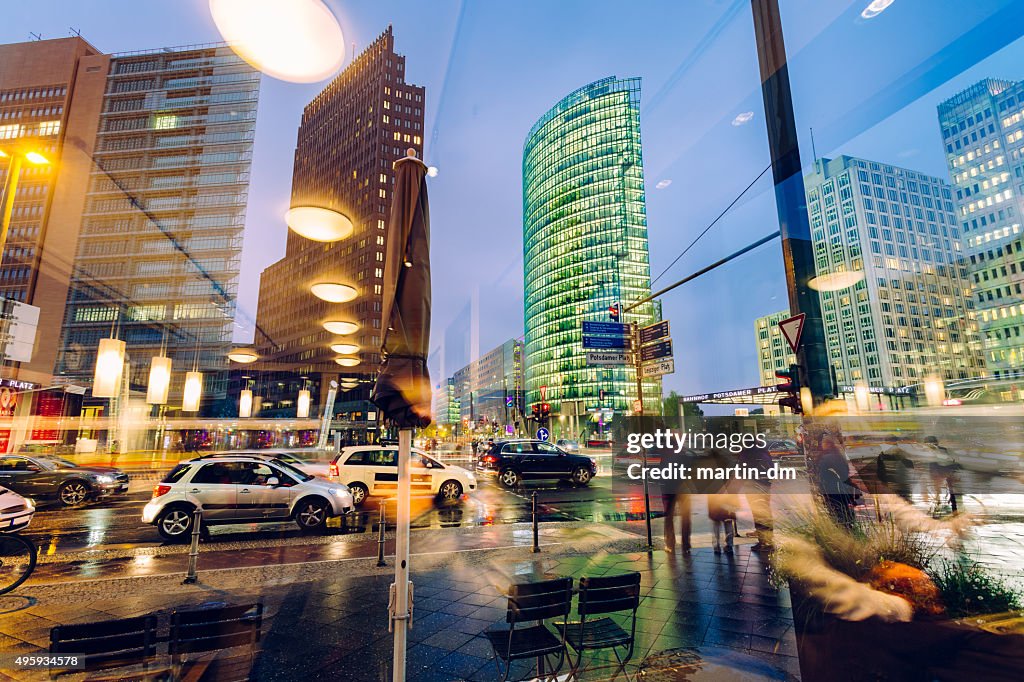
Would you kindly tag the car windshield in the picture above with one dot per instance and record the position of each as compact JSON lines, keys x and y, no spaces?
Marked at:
{"x":288,"y":468}
{"x":420,"y":459}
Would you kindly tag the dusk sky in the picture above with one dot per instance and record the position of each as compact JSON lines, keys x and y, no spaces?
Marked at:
{"x":491,"y":69}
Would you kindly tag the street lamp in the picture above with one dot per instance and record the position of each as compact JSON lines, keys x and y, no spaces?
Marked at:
{"x":11,"y":188}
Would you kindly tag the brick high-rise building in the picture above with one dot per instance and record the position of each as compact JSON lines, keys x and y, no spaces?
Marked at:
{"x":51,"y":92}
{"x":350,"y":136}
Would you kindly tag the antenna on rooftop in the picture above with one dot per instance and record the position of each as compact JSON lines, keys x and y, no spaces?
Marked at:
{"x":75,"y":31}
{"x":36,"y":36}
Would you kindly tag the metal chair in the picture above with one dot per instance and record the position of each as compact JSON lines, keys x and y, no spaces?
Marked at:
{"x":601,"y":596}
{"x":204,"y":630}
{"x":532,"y":602}
{"x":110,"y":644}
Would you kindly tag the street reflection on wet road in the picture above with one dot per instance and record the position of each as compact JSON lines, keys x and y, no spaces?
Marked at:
{"x":116,"y":525}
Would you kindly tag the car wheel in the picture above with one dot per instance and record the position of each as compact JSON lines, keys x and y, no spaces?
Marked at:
{"x":359,"y":493}
{"x":509,"y":478}
{"x":175,"y":524}
{"x":311,"y":513}
{"x":73,"y":493}
{"x":450,"y":491}
{"x":581,"y":476}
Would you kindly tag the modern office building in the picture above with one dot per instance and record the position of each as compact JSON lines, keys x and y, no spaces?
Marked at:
{"x":157,"y":259}
{"x":773,"y":351}
{"x":983,"y":133}
{"x":51,"y":92}
{"x":489,"y":391}
{"x":445,"y":406}
{"x":350,"y":136}
{"x":584,"y":244}
{"x":911,"y":315}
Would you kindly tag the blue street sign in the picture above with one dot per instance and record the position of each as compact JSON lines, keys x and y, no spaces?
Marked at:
{"x":609,"y":328}
{"x":543,"y":434}
{"x":509,"y":400}
{"x":605,"y":342}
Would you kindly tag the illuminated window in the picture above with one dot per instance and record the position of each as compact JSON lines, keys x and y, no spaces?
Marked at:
{"x":11,"y":131}
{"x":49,"y":127}
{"x":165,"y":122}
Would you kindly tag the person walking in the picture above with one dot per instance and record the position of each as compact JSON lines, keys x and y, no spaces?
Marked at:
{"x":893,"y":468}
{"x":722,"y":509}
{"x":758,"y":494}
{"x":676,"y":500}
{"x":942,"y":470}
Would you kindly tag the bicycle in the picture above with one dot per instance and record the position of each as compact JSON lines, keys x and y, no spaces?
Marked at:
{"x":17,"y":560}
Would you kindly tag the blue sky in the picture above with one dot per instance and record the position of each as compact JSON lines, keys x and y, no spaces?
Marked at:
{"x":868,"y":87}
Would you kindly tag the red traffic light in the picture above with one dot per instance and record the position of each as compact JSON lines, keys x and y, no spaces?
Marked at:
{"x":545,"y":408}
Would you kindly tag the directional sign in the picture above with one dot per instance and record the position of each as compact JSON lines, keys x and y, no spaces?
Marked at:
{"x":792,"y":328}
{"x":605,"y":342}
{"x":509,"y":400}
{"x":607,"y":328}
{"x":659,"y":368}
{"x":650,"y":334}
{"x":656,"y":351}
{"x":543,"y":434}
{"x":612,"y":358}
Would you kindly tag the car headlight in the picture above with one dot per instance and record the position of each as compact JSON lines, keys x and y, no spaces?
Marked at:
{"x":336,"y":491}
{"x":102,"y":478}
{"x":30,"y":503}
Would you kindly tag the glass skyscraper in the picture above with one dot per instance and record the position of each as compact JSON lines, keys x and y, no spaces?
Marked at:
{"x":584,"y":245}
{"x":158,"y":254}
{"x":983,"y":134}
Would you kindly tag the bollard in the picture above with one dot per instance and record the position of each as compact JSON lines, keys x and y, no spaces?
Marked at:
{"x":536,"y":538}
{"x":380,"y":538}
{"x":193,"y":554}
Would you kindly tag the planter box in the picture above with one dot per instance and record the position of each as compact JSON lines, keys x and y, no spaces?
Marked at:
{"x":838,"y":650}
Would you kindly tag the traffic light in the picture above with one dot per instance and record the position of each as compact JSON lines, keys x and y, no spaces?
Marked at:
{"x":545,"y":413}
{"x":535,"y":408}
{"x":613,"y":312}
{"x":790,"y":389}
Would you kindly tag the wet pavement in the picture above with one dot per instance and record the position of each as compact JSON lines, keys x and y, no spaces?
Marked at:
{"x":699,"y":613}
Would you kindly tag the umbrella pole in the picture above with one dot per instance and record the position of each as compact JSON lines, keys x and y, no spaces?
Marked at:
{"x":400,"y":588}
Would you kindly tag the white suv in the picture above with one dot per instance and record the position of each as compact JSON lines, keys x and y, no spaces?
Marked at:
{"x":373,"y":470}
{"x":242,"y":489}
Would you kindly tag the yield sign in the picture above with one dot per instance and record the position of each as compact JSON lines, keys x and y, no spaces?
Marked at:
{"x":792,"y":328}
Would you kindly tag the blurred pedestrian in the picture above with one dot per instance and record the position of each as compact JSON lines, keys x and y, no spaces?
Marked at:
{"x":676,"y":501}
{"x":942,"y":470}
{"x":758,"y":493}
{"x":722,"y":509}
{"x":834,"y":483}
{"x":893,"y":467}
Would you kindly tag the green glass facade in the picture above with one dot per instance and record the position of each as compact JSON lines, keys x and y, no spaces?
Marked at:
{"x":584,"y":244}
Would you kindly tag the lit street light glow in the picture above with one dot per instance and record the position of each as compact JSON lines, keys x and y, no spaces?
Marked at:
{"x":836,"y":281}
{"x":345,"y":348}
{"x":193,"y":391}
{"x":36,"y":158}
{"x":340,"y":327}
{"x":159,"y":380}
{"x":243,"y":356}
{"x":293,"y":40}
{"x":333,"y":292}
{"x":347,"y":361}
{"x":106,"y":382}
{"x":318,"y":224}
{"x":302,"y":406}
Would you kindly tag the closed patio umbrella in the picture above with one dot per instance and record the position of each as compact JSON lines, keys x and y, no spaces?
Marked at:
{"x":402,"y":389}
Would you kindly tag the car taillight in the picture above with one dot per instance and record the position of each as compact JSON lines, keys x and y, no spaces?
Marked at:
{"x":490,"y":458}
{"x":159,"y":490}
{"x":333,"y":470}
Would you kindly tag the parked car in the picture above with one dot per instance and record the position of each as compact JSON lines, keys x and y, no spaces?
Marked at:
{"x":242,"y":489}
{"x":373,"y":470}
{"x":296,"y":459}
{"x":568,"y":445}
{"x":57,"y":478}
{"x":15,"y":511}
{"x":514,"y":461}
{"x":785,"y":450}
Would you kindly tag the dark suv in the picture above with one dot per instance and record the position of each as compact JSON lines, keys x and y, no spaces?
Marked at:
{"x":514,"y":461}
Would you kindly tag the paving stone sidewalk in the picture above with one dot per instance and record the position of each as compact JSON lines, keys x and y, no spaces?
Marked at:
{"x":698,"y":611}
